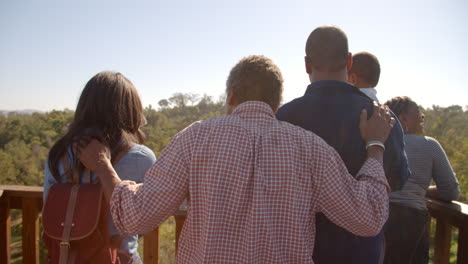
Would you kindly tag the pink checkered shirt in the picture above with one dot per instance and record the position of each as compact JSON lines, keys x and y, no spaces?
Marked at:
{"x":254,"y":185}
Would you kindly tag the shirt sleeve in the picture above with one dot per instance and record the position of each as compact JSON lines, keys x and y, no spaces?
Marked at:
{"x":442,"y":172}
{"x":359,"y":205}
{"x":140,"y":208}
{"x":134,"y":165}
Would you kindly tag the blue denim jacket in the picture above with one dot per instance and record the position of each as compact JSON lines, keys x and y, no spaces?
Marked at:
{"x":331,"y":110}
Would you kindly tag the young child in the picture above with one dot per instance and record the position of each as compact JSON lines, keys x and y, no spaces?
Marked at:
{"x":365,"y":73}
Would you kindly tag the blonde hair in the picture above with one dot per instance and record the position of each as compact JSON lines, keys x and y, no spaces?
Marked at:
{"x":256,"y":78}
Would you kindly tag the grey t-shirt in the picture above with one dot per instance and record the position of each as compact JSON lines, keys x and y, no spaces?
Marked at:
{"x":427,"y":161}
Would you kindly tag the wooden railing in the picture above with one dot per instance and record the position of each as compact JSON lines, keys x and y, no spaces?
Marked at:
{"x":448,"y":215}
{"x":29,"y":200}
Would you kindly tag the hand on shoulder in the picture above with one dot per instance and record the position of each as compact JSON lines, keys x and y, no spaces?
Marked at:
{"x":375,"y":130}
{"x":93,"y":154}
{"x":378,"y":126}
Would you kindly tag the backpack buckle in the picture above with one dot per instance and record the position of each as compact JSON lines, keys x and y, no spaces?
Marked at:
{"x":66,"y":244}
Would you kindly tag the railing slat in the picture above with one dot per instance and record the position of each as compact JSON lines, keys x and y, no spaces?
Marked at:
{"x":31,"y":230}
{"x":151,"y":247}
{"x":462,"y":255}
{"x":180,"y":220}
{"x":5,"y":230}
{"x":442,"y":242}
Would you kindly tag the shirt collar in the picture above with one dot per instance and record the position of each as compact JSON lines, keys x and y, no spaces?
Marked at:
{"x":254,"y":109}
{"x":371,"y":92}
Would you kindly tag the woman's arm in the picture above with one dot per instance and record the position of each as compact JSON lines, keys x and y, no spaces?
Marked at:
{"x":447,"y":185}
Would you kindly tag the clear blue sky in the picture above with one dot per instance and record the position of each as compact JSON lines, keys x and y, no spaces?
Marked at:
{"x":50,"y":49}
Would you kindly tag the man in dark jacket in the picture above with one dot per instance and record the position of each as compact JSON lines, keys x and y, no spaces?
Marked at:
{"x":330,"y":108}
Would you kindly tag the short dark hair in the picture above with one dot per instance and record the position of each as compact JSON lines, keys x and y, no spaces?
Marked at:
{"x":400,"y":104}
{"x":367,"y":67}
{"x":327,"y":49}
{"x":256,"y":78}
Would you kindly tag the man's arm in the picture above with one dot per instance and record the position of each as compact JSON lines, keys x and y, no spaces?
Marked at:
{"x":139,"y":208}
{"x":359,"y":205}
{"x":377,"y":130}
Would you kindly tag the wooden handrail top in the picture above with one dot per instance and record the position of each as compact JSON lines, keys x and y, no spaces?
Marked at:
{"x":454,"y":211}
{"x":29,"y":200}
{"x":21,"y":191}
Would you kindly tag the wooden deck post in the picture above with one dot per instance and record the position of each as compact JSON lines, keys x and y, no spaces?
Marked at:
{"x":180,"y":220}
{"x":462,"y":256}
{"x":442,"y":242}
{"x":31,"y":211}
{"x":5,"y":231}
{"x":151,"y":247}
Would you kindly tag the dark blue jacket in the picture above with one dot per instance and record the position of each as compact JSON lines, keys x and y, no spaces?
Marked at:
{"x":331,"y":110}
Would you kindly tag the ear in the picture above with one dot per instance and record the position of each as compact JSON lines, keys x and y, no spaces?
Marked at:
{"x":352,"y":78}
{"x":349,"y":64}
{"x":308,"y":66}
{"x":231,"y":99}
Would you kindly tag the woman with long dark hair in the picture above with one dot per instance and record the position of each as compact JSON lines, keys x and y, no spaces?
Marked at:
{"x":110,"y":110}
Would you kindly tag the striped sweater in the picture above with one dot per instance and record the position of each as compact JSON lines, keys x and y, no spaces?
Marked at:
{"x":427,"y":161}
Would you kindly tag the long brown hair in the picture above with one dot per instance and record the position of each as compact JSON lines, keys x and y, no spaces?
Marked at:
{"x":109,"y":110}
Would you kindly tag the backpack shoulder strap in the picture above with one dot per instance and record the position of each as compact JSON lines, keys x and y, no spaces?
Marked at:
{"x":68,"y":224}
{"x":71,"y":173}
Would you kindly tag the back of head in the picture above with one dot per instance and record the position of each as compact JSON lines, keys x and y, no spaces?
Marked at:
{"x":366,"y":67}
{"x":400,"y":104}
{"x":411,"y":118}
{"x":256,"y":78}
{"x":109,"y":102}
{"x":327,"y":49}
{"x":110,"y":110}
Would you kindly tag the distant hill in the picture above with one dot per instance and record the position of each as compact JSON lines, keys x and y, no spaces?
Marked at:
{"x":21,"y":112}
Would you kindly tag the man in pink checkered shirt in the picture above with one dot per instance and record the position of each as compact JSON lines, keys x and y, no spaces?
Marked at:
{"x":253,"y":183}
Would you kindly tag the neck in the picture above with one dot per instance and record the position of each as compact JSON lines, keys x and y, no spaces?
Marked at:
{"x":363,"y":85}
{"x":316,"y":76}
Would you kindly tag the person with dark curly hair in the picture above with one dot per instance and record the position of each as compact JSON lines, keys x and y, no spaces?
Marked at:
{"x":406,"y":237}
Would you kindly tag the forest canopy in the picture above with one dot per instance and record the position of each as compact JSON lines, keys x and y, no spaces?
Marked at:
{"x":25,"y":139}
